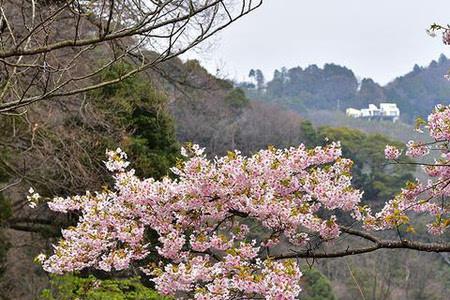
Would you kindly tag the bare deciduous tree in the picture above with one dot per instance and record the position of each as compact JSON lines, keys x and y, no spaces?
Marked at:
{"x":56,"y":48}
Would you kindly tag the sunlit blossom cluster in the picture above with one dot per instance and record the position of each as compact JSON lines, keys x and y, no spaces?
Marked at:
{"x":204,"y":220}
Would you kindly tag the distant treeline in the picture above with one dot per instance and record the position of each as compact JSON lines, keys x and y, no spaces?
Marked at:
{"x":335,"y":87}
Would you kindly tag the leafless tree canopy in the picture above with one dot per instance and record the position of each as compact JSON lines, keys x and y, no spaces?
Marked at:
{"x":56,"y":48}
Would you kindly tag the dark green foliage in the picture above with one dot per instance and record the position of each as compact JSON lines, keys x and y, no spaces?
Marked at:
{"x":71,"y":287}
{"x":371,"y":172}
{"x":140,"y":109}
{"x":275,"y":87}
{"x":421,"y":89}
{"x":153,"y":144}
{"x":316,"y":286}
{"x":369,"y":92}
{"x":336,"y":88}
{"x":236,"y":98}
{"x":314,"y":87}
{"x":309,"y":134}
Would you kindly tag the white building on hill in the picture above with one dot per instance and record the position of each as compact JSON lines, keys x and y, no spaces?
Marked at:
{"x":353,"y":112}
{"x":387,"y":111}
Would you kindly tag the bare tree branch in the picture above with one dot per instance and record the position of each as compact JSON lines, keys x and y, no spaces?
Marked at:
{"x":377,"y":244}
{"x":57,"y":49}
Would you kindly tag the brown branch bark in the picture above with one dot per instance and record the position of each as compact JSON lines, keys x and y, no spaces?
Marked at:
{"x":377,"y":244}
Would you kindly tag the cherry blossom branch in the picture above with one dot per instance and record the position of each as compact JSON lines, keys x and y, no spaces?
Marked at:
{"x":291,"y":196}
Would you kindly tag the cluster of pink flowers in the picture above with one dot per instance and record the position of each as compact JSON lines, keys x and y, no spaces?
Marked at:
{"x":392,"y":152}
{"x":206,"y":217}
{"x":416,"y":149}
{"x":422,"y":197}
{"x":203,"y":219}
{"x":438,"y":123}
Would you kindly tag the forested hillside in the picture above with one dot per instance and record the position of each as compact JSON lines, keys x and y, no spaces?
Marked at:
{"x":335,"y":87}
{"x":421,"y":88}
{"x":107,"y":193}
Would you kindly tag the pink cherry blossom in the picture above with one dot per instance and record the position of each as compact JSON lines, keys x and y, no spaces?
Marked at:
{"x":391,"y":152}
{"x":199,"y":217}
{"x":422,"y":197}
{"x":416,"y":149}
{"x":207,"y":217}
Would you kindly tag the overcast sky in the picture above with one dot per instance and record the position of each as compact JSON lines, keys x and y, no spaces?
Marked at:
{"x":380,"y":39}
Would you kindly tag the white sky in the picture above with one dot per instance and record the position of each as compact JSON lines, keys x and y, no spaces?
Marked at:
{"x":381,"y":39}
